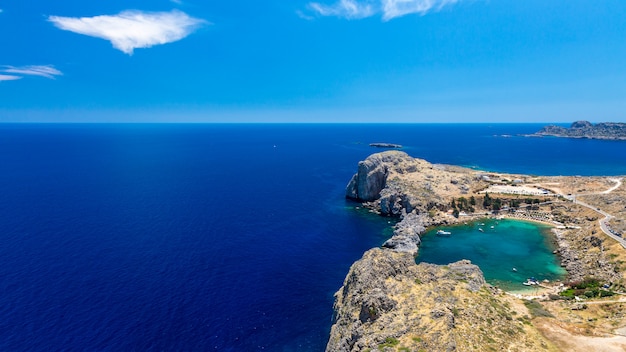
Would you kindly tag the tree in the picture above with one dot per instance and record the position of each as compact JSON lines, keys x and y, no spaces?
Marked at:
{"x":472,"y":201}
{"x":497,"y":204}
{"x":487,"y":201}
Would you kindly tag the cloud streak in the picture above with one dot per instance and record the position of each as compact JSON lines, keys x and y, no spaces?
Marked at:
{"x":350,"y":9}
{"x":47,"y":71}
{"x":389,"y":9}
{"x":9,"y":77}
{"x":131,"y":29}
{"x":13,"y":73}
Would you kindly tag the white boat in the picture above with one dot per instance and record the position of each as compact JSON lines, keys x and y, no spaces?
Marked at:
{"x":443,"y":233}
{"x":480,"y":229}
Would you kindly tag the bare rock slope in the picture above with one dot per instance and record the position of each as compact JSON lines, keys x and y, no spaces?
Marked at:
{"x":389,"y":303}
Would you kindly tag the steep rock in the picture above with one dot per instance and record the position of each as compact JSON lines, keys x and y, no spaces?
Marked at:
{"x":371,"y":177}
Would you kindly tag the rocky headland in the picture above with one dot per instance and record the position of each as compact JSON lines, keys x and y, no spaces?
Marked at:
{"x":390,"y":303}
{"x":585,"y":129}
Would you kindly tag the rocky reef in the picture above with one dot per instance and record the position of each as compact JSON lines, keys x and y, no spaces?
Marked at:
{"x":585,"y":129}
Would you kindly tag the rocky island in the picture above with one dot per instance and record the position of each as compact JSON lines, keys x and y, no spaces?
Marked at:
{"x":585,"y":129}
{"x":385,"y":145}
{"x":390,"y":303}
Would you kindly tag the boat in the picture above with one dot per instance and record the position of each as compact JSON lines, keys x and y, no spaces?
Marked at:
{"x":443,"y":233}
{"x":492,"y":227}
{"x":531,"y":281}
{"x":480,"y":229}
{"x":514,"y":270}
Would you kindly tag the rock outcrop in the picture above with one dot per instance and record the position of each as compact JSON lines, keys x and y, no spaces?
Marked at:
{"x":585,"y":129}
{"x":388,"y":302}
{"x":371,"y":177}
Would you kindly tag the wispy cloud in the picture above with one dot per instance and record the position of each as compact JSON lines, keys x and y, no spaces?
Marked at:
{"x":390,"y":9}
{"x":350,"y":9}
{"x":131,"y":29}
{"x":9,"y":77}
{"x":47,"y":71}
{"x":397,"y":8}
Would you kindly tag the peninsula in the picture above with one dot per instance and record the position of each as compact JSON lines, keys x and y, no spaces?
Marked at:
{"x":585,"y":129}
{"x":390,"y":303}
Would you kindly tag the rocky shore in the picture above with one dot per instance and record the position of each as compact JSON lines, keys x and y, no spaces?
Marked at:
{"x":389,"y":303}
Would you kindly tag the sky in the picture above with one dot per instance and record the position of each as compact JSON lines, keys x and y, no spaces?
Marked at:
{"x":313,"y":61}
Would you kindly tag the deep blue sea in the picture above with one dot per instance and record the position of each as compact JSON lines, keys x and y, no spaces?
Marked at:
{"x":188,"y":237}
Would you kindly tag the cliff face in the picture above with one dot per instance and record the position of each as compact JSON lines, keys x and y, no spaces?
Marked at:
{"x":388,"y":302}
{"x":585,"y":129}
{"x":372,"y":174}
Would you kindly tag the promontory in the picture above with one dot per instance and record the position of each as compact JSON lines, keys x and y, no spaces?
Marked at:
{"x":390,"y":303}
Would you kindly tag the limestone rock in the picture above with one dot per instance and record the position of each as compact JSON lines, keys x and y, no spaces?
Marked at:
{"x":372,"y":173}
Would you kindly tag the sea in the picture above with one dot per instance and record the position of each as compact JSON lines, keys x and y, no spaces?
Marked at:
{"x":215,"y":237}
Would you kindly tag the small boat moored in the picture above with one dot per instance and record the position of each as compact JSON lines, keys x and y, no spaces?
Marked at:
{"x":443,"y":233}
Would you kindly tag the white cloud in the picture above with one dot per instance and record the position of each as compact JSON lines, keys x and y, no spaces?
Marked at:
{"x":397,"y":8}
{"x":130,"y":30}
{"x":350,"y":9}
{"x":47,"y":71}
{"x":390,"y":9}
{"x":9,"y":77}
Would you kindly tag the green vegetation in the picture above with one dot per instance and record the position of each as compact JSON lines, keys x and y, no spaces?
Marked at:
{"x":389,"y":342}
{"x":588,"y":287}
{"x":462,"y":204}
{"x":536,"y":309}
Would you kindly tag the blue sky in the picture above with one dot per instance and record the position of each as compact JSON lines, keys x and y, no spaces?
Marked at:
{"x":321,"y":61}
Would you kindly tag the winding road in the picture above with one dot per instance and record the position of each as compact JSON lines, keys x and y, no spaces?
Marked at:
{"x":607,"y":216}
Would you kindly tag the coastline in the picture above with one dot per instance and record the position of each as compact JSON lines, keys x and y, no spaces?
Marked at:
{"x":425,"y":197}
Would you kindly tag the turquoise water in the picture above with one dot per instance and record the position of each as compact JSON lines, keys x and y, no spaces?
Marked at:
{"x":525,"y":246}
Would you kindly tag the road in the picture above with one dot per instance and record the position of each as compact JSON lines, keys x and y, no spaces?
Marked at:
{"x":607,"y":216}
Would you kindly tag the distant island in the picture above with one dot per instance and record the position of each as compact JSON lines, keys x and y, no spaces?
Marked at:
{"x":585,"y":129}
{"x":385,"y":145}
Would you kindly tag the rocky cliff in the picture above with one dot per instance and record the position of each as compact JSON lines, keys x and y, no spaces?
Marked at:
{"x":585,"y":129}
{"x":389,"y":303}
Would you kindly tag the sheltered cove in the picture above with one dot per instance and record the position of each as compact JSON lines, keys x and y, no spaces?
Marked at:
{"x":389,"y":302}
